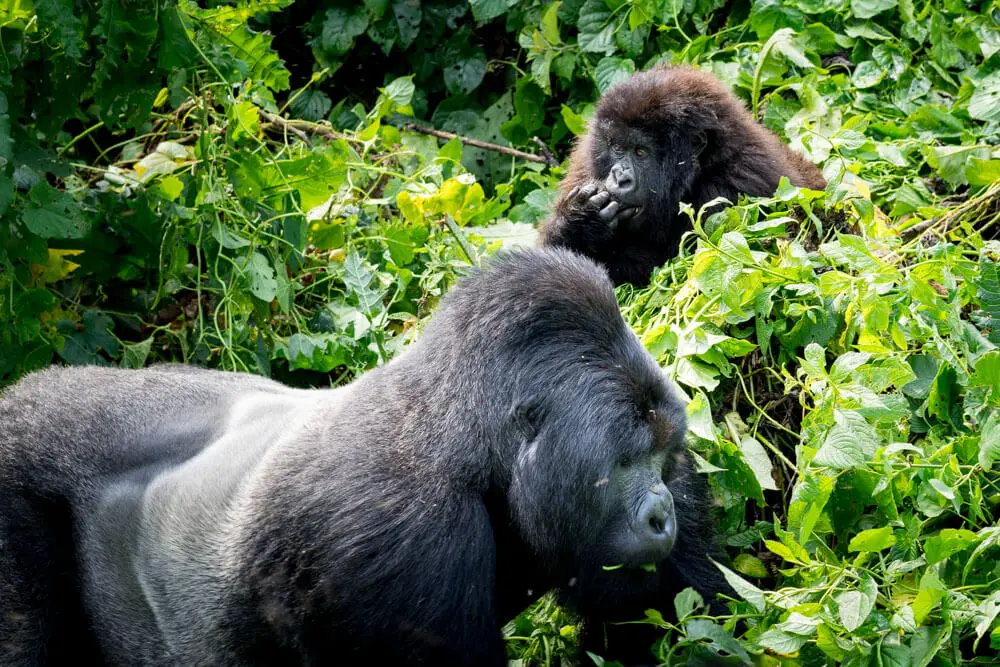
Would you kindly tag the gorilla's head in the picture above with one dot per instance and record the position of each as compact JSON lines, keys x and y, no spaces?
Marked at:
{"x":586,"y":432}
{"x":655,"y":133}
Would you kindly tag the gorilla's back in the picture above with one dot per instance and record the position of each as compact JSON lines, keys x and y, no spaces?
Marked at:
{"x":156,"y":486}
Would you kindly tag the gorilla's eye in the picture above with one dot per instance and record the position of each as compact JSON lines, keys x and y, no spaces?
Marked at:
{"x":618,"y":148}
{"x":641,"y":152}
{"x":625,"y":460}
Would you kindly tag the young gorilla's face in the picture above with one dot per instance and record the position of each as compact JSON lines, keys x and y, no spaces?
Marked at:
{"x":648,"y":173}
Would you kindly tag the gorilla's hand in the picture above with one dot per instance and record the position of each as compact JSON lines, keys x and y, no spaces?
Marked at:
{"x":592,"y":201}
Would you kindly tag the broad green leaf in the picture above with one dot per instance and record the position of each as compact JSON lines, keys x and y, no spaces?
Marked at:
{"x":134,"y":355}
{"x":464,"y":73}
{"x":865,"y":9}
{"x":948,"y":542}
{"x":750,"y":566}
{"x":799,"y":624}
{"x":715,"y":638}
{"x":262,"y":282}
{"x":932,"y":590}
{"x":781,"y":642}
{"x":400,"y":90}
{"x":989,"y":441}
{"x":759,"y":462}
{"x":53,"y":214}
{"x":985,"y":101}
{"x":951,"y":162}
{"x":311,"y":105}
{"x":873,"y":539}
{"x":484,"y":10}
{"x":687,"y":602}
{"x":529,"y":102}
{"x":982,"y":172}
{"x":743,"y":588}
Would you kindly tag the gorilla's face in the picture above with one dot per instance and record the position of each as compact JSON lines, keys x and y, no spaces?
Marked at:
{"x":590,"y":483}
{"x":647,"y":172}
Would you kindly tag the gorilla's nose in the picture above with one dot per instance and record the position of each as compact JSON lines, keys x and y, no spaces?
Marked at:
{"x":620,"y":181}
{"x":657,"y":522}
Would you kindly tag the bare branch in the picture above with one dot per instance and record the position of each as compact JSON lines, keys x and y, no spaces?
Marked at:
{"x":506,"y":150}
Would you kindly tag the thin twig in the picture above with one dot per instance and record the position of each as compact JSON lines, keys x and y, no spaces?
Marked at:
{"x":300,"y":127}
{"x":974,"y":210}
{"x":550,"y":159}
{"x":285,"y":125}
{"x":506,"y":150}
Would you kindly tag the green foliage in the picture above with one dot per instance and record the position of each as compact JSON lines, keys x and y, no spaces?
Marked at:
{"x":838,"y":348}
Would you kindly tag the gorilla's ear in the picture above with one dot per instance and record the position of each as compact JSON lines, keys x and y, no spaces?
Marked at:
{"x":699,"y":142}
{"x":528,"y":416}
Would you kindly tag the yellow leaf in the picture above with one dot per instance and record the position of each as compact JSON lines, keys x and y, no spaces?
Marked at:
{"x":56,"y":267}
{"x":409,"y":207}
{"x":161,"y":97}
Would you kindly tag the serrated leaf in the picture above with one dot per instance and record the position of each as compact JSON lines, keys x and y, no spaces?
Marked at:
{"x":850,"y":443}
{"x":60,"y":18}
{"x":340,"y":27}
{"x":597,"y":30}
{"x":311,"y":105}
{"x":612,"y":70}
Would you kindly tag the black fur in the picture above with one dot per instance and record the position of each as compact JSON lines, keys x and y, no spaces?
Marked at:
{"x":675,"y":134}
{"x":180,"y":516}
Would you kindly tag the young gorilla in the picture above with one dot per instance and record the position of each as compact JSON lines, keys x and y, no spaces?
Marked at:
{"x":181,"y":516}
{"x":665,"y":136}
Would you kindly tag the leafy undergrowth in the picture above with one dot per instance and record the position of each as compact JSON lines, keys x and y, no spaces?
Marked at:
{"x":838,"y":348}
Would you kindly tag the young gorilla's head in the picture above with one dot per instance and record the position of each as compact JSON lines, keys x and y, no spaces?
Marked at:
{"x":590,"y":431}
{"x":656,"y":132}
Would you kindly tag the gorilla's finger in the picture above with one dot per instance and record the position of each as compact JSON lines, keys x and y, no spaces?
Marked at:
{"x":628,"y":213}
{"x":572,"y":193}
{"x":600,"y":199}
{"x":588,"y":190}
{"x":608,"y":213}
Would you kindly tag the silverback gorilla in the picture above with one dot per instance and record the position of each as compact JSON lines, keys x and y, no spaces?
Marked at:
{"x":664,"y":136}
{"x":182,"y":516}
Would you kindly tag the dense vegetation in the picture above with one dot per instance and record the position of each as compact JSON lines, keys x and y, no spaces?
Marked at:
{"x":234,"y":184}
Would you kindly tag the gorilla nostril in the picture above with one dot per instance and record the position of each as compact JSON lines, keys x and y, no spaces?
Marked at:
{"x":657,"y":524}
